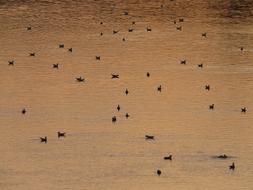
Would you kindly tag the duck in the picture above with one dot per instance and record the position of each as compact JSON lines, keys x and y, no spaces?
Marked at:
{"x":200,"y":65}
{"x":43,"y":139}
{"x":80,"y":79}
{"x":98,"y":58}
{"x":158,"y":172}
{"x":232,"y":167}
{"x":115,"y":76}
{"x":130,"y":30}
{"x":244,"y":110}
{"x":126,"y":91}
{"x":179,"y":28}
{"x":23,"y":111}
{"x":148,"y":74}
{"x":149,"y":29}
{"x":118,"y":107}
{"x":149,"y":137}
{"x":70,"y":49}
{"x":207,"y":87}
{"x":61,"y":134}
{"x":115,"y":31}
{"x":11,"y":63}
{"x":224,"y":156}
{"x":159,"y":88}
{"x":183,"y":62}
{"x":29,"y":28}
{"x":114,"y":119}
{"x":32,"y":54}
{"x":127,"y":115}
{"x":180,"y":20}
{"x":211,"y":107}
{"x":204,"y":34}
{"x":61,"y":45}
{"x":56,"y":66}
{"x":168,"y":157}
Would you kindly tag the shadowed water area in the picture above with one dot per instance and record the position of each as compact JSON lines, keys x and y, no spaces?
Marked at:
{"x":97,"y":153}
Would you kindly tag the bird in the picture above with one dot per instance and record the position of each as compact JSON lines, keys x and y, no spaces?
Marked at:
{"x":130,"y":30}
{"x":56,"y":66}
{"x":207,"y":87}
{"x":148,"y":74}
{"x":32,"y":54}
{"x":70,"y":49}
{"x":168,"y":157}
{"x":43,"y":139}
{"x":114,"y":119}
{"x":123,"y":39}
{"x":126,"y":91}
{"x":133,"y":22}
{"x":127,"y":115}
{"x":125,"y":13}
{"x":149,"y":29}
{"x":175,"y":22}
{"x":118,"y":107}
{"x":149,"y":137}
{"x":158,"y":172}
{"x":29,"y":28}
{"x":115,"y":31}
{"x":101,"y":33}
{"x":224,"y":156}
{"x":115,"y":76}
{"x":61,"y":45}
{"x":204,"y":34}
{"x":101,"y":23}
{"x":244,"y":110}
{"x":159,"y":88}
{"x":11,"y":63}
{"x":23,"y":111}
{"x":232,"y":167}
{"x":211,"y":107}
{"x":179,"y":28}
{"x":200,"y":65}
{"x":183,"y":62}
{"x":80,"y":79}
{"x":61,"y":134}
{"x":241,"y":48}
{"x":180,"y":20}
{"x":98,"y":58}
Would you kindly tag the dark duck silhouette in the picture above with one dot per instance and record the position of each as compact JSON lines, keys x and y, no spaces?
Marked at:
{"x":114,"y":119}
{"x":244,"y":110}
{"x":70,"y":50}
{"x":133,"y":22}
{"x":183,"y":62}
{"x":130,"y":30}
{"x":127,"y":115}
{"x":125,"y":13}
{"x":149,"y":137}
{"x":98,"y":58}
{"x":241,"y":48}
{"x":158,"y":172}
{"x":80,"y":79}
{"x":61,"y":45}
{"x":179,"y":28}
{"x":224,"y":156}
{"x":211,"y":107}
{"x":200,"y":65}
{"x":123,"y":39}
{"x":159,"y":88}
{"x":29,"y":28}
{"x":43,"y":139}
{"x":115,"y":31}
{"x":204,"y":34}
{"x":180,"y":20}
{"x":61,"y":134}
{"x":56,"y":66}
{"x":149,"y":29}
{"x":32,"y":54}
{"x":11,"y":63}
{"x":115,"y":76}
{"x":126,"y":91}
{"x":23,"y":111}
{"x":168,"y":157}
{"x":232,"y":167}
{"x":101,"y":33}
{"x":148,"y":74}
{"x":101,"y":23}
{"x":118,"y":107}
{"x":207,"y":87}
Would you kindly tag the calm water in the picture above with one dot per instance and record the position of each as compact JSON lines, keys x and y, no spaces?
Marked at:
{"x":97,"y":154}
